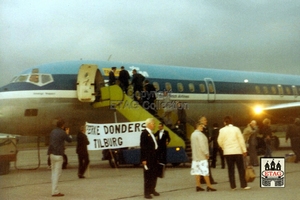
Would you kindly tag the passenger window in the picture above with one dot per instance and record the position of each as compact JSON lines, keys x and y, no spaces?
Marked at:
{"x":211,"y":88}
{"x":280,"y":89}
{"x":156,"y":85}
{"x":295,"y":92}
{"x":168,"y":86}
{"x":180,"y":87}
{"x":257,"y":89}
{"x":288,"y":90}
{"x":273,"y":90}
{"x":22,"y":78}
{"x":191,"y":87}
{"x":265,"y":89}
{"x":202,"y":88}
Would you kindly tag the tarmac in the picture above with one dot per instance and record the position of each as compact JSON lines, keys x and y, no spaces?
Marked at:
{"x":126,"y":182}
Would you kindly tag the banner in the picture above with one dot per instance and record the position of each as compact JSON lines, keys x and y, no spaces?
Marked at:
{"x":114,"y":136}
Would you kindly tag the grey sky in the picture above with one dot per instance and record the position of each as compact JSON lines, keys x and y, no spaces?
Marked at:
{"x":252,"y":35}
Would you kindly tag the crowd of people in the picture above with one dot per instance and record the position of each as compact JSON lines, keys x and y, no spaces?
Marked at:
{"x":144,"y":93}
{"x":232,"y":145}
{"x":230,"y":142}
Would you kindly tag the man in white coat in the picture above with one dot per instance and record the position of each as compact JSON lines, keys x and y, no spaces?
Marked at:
{"x":232,"y":142}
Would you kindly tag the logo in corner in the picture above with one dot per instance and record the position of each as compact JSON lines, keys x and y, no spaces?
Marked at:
{"x":272,"y":172}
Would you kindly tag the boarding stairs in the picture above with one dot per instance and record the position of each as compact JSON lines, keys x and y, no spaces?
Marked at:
{"x":114,"y":97}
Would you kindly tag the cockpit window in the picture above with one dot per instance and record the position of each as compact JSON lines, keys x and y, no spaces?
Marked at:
{"x":46,"y":78}
{"x":22,"y":78}
{"x":36,"y":79}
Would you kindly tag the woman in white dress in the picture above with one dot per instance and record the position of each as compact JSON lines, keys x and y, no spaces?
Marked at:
{"x":200,"y":155}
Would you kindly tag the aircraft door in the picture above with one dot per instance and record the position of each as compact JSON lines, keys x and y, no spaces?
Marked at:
{"x":211,"y":90}
{"x":89,"y":82}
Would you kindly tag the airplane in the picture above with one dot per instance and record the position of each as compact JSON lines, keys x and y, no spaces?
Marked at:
{"x":78,"y":92}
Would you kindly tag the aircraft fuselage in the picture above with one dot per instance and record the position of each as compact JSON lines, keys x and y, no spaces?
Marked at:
{"x":38,"y":96}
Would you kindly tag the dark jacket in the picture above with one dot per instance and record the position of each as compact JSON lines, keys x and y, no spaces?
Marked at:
{"x":137,"y":82}
{"x":82,"y":142}
{"x":293,"y":131}
{"x":149,"y":93}
{"x":206,"y":133}
{"x":266,"y":131}
{"x":161,"y":142}
{"x":214,"y":137}
{"x":57,"y":141}
{"x":124,"y":77}
{"x":112,"y":78}
{"x":162,"y":145}
{"x":148,"y":151}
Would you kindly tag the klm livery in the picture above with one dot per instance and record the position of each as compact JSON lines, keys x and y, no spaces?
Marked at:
{"x":77,"y":91}
{"x":37,"y":96}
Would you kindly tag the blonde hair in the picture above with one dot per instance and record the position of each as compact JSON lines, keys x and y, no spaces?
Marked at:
{"x":149,"y":120}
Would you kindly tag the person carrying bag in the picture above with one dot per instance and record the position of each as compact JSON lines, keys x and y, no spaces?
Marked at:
{"x":249,"y":171}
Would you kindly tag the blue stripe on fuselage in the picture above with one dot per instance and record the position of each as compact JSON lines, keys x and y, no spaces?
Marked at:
{"x":173,"y":72}
{"x":68,"y":82}
{"x":226,"y":81}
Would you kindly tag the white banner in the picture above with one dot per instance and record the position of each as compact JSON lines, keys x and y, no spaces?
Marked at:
{"x":114,"y":136}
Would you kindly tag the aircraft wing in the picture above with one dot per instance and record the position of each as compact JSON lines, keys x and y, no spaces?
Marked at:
{"x":285,"y":105}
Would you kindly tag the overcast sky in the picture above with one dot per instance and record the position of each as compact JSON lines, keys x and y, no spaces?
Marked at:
{"x":252,"y":35}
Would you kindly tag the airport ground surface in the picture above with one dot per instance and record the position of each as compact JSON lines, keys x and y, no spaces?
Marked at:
{"x":126,"y":182}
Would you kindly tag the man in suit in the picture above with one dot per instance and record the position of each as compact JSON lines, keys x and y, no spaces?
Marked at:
{"x":81,"y":150}
{"x":163,"y":139}
{"x":149,"y":159}
{"x":137,"y":82}
{"x":124,"y":78}
{"x":216,"y":148}
{"x":112,"y":78}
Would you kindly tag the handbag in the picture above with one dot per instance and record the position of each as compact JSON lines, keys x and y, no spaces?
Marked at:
{"x":249,"y":174}
{"x":249,"y":171}
{"x":160,"y":170}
